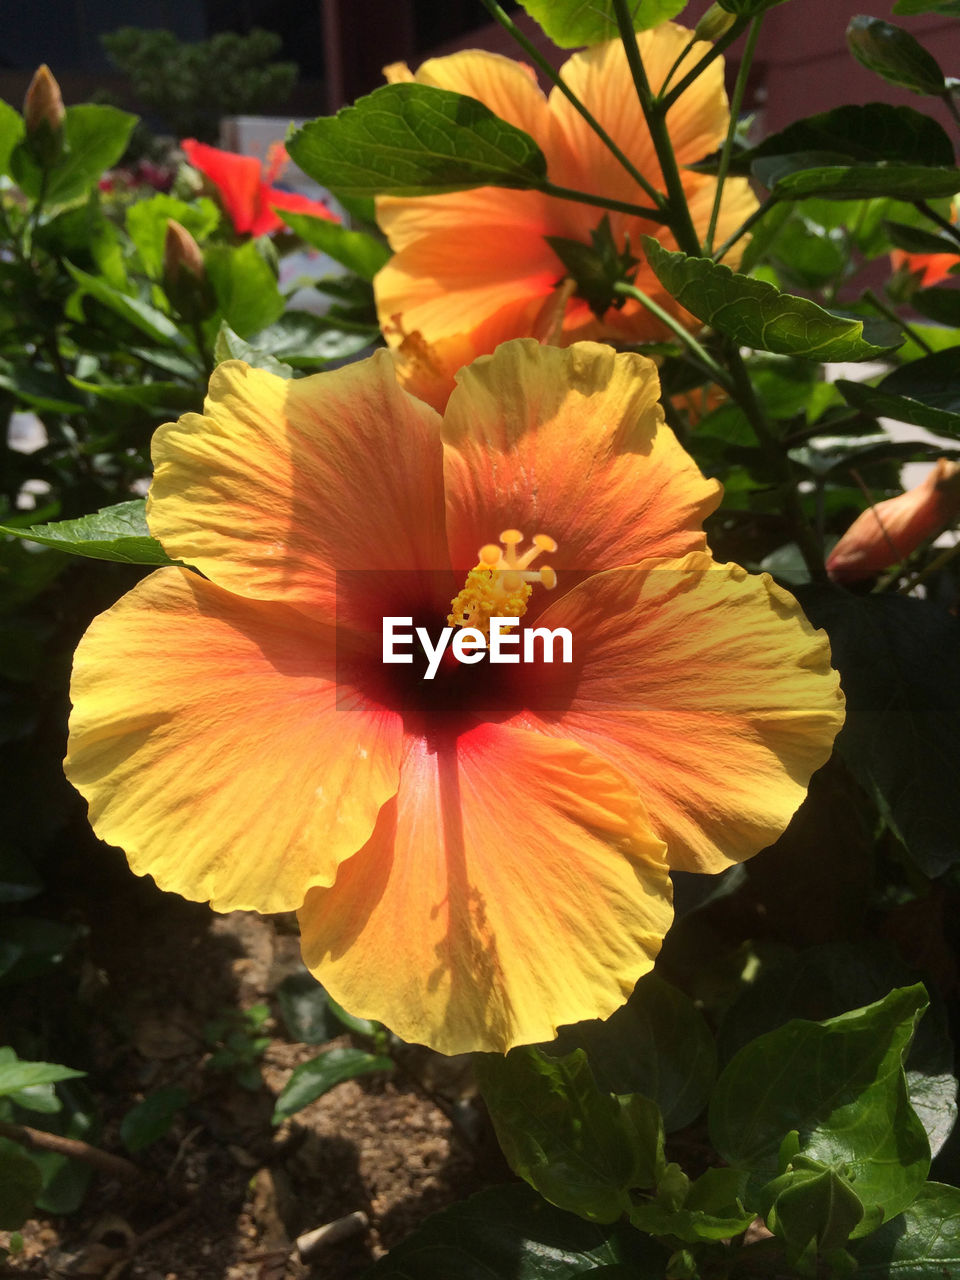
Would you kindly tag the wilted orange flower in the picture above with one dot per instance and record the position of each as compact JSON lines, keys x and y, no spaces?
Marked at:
{"x":245,"y":187}
{"x":479,"y":857}
{"x":473,"y":268}
{"x":887,"y":532}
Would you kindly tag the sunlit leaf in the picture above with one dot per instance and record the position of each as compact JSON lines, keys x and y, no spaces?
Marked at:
{"x":571,"y":23}
{"x":117,"y":533}
{"x":356,"y":250}
{"x":923,"y":1244}
{"x":311,"y":1080}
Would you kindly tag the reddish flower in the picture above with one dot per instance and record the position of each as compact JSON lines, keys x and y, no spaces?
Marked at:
{"x":244,"y":186}
{"x":930,"y":267}
{"x":887,"y":532}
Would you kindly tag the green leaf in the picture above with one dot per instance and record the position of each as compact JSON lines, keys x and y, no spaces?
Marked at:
{"x":922,"y":1244}
{"x":658,"y":1044}
{"x":925,"y":392}
{"x":919,"y":240}
{"x":11,"y":132}
{"x":581,"y":1148}
{"x":142,"y":395}
{"x":19,"y":1185}
{"x":571,"y":23}
{"x":942,"y":305}
{"x":39,"y":388}
{"x":897,"y":659}
{"x":748,"y":8}
{"x":305,"y":1009}
{"x":95,"y":137}
{"x":358,"y":252}
{"x":117,"y":533}
{"x":840,"y":1085}
{"x":413,"y":139}
{"x":314,"y":1078}
{"x":813,"y":1210}
{"x":712,"y":1209}
{"x":230,"y":346}
{"x":151,"y":1119}
{"x":874,"y":131}
{"x":16,"y":1075}
{"x":511,"y":1232}
{"x":30,"y":946}
{"x":826,"y":175}
{"x":141,"y":315}
{"x":245,"y":285}
{"x":147,"y":225}
{"x":596,"y":267}
{"x":755,"y":314}
{"x":304,"y":340}
{"x":895,"y":55}
{"x":928,"y":6}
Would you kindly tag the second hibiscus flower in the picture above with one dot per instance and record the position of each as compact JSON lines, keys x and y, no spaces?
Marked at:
{"x":474,"y":268}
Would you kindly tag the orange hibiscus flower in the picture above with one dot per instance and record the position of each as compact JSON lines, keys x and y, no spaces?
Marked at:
{"x":483,"y":856}
{"x":245,"y":187}
{"x":474,"y":268}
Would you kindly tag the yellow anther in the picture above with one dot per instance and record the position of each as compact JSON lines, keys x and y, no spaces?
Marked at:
{"x":500,"y":585}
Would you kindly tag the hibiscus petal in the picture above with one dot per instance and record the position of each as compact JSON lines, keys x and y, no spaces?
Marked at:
{"x":236,"y":177}
{"x":280,"y":484}
{"x":708,"y":687}
{"x":213,"y":745}
{"x":512,"y":886}
{"x":571,"y":443}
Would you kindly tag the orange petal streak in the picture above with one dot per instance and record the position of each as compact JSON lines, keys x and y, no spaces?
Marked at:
{"x":708,"y":687}
{"x":512,"y":886}
{"x":569,"y":442}
{"x":213,"y":745}
{"x":279,"y":484}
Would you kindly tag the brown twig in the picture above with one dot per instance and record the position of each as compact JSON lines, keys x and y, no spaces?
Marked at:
{"x":38,"y":1140}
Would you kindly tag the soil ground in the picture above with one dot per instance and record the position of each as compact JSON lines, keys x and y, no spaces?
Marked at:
{"x":224,"y":1194}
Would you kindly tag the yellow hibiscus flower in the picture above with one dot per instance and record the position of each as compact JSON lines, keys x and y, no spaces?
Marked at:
{"x":478,"y":858}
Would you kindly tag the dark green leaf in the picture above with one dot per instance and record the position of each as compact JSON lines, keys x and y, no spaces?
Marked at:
{"x":511,"y":1232}
{"x":18,"y":877}
{"x":897,"y":659}
{"x":827,"y":176}
{"x":874,"y":131}
{"x":571,"y":23}
{"x":358,"y":252}
{"x":755,"y":314}
{"x":151,"y":1119}
{"x":115,"y":533}
{"x":919,"y":240}
{"x":748,"y":8}
{"x":942,"y":305}
{"x":39,"y":388}
{"x":413,"y":139}
{"x":314,"y":1078}
{"x":142,"y":395}
{"x":16,"y":1075}
{"x":141,"y":315}
{"x":922,"y":1244}
{"x":305,"y":1010}
{"x":307,"y":340}
{"x":29,"y":947}
{"x":840,"y":1085}
{"x":712,"y":1209}
{"x":658,"y":1044}
{"x":928,"y":6}
{"x":19,"y":1185}
{"x":245,"y":285}
{"x":11,"y":131}
{"x":65,"y":1180}
{"x":95,"y":138}
{"x":925,"y":392}
{"x":894,"y":54}
{"x":813,"y":1210}
{"x":583,"y":1149}
{"x":596,"y":267}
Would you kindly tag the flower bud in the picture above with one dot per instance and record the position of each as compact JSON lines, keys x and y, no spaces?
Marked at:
{"x":43,"y":114}
{"x":886,"y":533}
{"x":715,"y":23}
{"x":184,"y":274}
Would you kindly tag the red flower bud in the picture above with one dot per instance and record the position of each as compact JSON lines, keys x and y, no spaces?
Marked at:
{"x":886,"y":533}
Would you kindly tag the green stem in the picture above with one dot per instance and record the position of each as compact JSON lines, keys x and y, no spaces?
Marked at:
{"x":888,"y":313}
{"x":587,"y":197}
{"x":678,"y":211}
{"x":552,"y":74}
{"x":736,"y":105}
{"x":703,"y":356}
{"x":726,"y":40}
{"x":779,"y":463}
{"x":34,"y":219}
{"x":939,"y":562}
{"x":747,"y":225}
{"x":947,"y":97}
{"x":677,"y":63}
